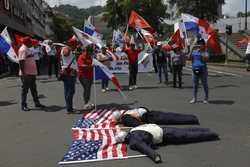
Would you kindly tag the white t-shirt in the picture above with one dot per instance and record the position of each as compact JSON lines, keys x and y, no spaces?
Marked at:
{"x":25,"y":53}
{"x":67,"y":60}
{"x":138,"y":112}
{"x":36,"y":53}
{"x":248,"y":48}
{"x":155,"y":130}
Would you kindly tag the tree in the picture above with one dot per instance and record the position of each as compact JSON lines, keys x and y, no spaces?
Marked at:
{"x":204,"y":9}
{"x":153,"y":11}
{"x":62,"y":27}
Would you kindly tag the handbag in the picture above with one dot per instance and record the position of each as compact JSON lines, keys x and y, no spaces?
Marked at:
{"x":63,"y":73}
{"x":197,"y":70}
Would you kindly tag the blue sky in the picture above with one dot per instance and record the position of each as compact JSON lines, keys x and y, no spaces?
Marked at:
{"x":231,"y":7}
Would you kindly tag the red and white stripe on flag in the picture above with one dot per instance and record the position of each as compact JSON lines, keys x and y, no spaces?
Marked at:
{"x":104,"y":118}
{"x":109,"y":148}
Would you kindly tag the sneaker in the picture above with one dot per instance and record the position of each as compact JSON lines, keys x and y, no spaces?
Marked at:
{"x":25,"y":108}
{"x":39,"y":105}
{"x":205,"y":102}
{"x":157,"y":158}
{"x":107,"y":89}
{"x":130,"y":88}
{"x":103,"y":90}
{"x":135,"y":86}
{"x":193,"y":101}
{"x":70,"y":112}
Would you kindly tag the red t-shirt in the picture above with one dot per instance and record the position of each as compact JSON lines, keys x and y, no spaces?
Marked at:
{"x":132,"y":55}
{"x":85,"y":72}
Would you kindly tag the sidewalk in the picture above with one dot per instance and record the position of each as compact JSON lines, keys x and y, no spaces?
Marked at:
{"x":230,"y":64}
{"x":4,"y":75}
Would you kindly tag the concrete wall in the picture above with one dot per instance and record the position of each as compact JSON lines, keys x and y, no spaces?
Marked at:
{"x":238,"y":24}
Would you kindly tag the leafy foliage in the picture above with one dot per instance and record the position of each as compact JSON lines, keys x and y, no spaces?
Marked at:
{"x":67,"y":16}
{"x":117,"y":12}
{"x":205,"y":9}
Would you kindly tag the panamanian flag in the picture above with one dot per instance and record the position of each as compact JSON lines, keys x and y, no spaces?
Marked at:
{"x":5,"y":46}
{"x":102,"y":72}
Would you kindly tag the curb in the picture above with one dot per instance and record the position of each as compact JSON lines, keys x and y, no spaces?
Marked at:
{"x":4,"y":75}
{"x":242,"y":66}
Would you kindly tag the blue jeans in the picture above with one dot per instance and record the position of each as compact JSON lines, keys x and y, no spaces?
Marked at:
{"x":203,"y":75}
{"x":105,"y":83}
{"x":162,"y":67}
{"x":69,"y":91}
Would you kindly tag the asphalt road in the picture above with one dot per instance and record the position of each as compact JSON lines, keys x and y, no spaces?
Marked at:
{"x":40,"y":138}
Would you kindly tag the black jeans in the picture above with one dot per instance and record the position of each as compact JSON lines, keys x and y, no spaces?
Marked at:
{"x":69,"y":91}
{"x":142,"y":141}
{"x":29,"y":82}
{"x":168,"y":118}
{"x":177,"y":71}
{"x":86,"y":84}
{"x":38,"y":66}
{"x":177,"y":136}
{"x":53,"y":61}
{"x":133,"y":70}
{"x":105,"y":83}
{"x":162,"y":67}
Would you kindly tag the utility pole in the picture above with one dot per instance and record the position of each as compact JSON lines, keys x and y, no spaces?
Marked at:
{"x":245,"y":14}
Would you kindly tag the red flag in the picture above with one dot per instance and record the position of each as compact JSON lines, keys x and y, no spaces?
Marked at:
{"x":213,"y":43}
{"x":176,"y":40}
{"x":34,"y":42}
{"x":136,"y":21}
{"x":19,"y":39}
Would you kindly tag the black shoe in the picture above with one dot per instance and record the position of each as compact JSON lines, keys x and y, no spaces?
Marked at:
{"x":39,"y":105}
{"x":25,"y":108}
{"x":157,"y":158}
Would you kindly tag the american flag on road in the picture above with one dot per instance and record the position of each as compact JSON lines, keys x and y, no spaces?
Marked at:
{"x":98,"y":119}
{"x":94,"y":145}
{"x":94,"y":139}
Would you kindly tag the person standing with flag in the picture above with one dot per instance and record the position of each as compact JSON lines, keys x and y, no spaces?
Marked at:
{"x":248,"y":56}
{"x":199,"y":57}
{"x":133,"y":54}
{"x":28,"y":72}
{"x":106,"y":60}
{"x":68,"y":70}
{"x":86,"y":73}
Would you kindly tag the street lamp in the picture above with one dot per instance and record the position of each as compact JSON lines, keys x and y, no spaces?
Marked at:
{"x":245,"y":14}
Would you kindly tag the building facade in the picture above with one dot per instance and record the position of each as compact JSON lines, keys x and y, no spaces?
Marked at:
{"x":27,"y":17}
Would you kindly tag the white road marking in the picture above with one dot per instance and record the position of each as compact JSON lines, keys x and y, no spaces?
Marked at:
{"x":216,"y":71}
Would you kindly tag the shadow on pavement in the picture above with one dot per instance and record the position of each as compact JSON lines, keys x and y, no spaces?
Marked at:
{"x":126,"y":88}
{"x":7,"y":103}
{"x":116,"y":106}
{"x":41,"y":96}
{"x":54,"y":108}
{"x":227,"y":86}
{"x":49,"y":81}
{"x":223,"y":102}
{"x":14,"y":86}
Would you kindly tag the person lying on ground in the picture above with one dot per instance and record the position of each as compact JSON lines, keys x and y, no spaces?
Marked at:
{"x":145,"y":138}
{"x":139,"y":116}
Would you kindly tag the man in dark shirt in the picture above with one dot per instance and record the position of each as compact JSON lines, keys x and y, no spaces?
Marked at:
{"x":162,"y":61}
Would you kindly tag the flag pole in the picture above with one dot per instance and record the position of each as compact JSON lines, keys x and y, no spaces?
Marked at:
{"x":95,"y":101}
{"x":100,"y":160}
{"x":145,"y":39}
{"x":125,"y":33}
